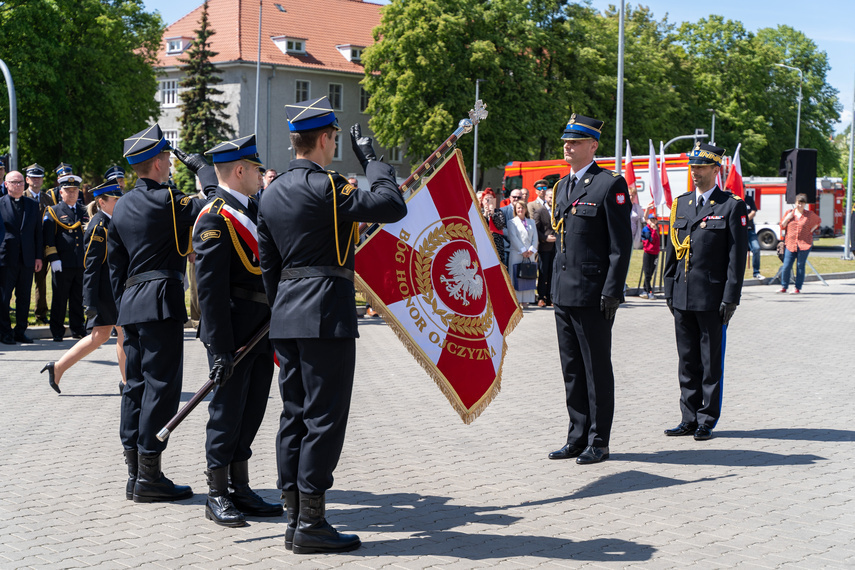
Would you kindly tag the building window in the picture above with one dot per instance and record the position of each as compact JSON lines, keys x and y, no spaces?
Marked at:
{"x":335,"y":96}
{"x":172,"y":137}
{"x":337,"y":155}
{"x":169,"y":93}
{"x":355,"y":54}
{"x":291,"y":46}
{"x":302,"y":91}
{"x":395,"y":155}
{"x":174,"y":46}
{"x":363,"y":99}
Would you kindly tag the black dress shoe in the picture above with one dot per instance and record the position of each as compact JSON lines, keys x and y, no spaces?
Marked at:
{"x":569,"y":451}
{"x":685,"y":428}
{"x":58,"y":339}
{"x":703,"y":433}
{"x":41,"y":320}
{"x":7,"y":339}
{"x":593,"y":455}
{"x":23,"y":338}
{"x":78,"y":335}
{"x":49,"y":368}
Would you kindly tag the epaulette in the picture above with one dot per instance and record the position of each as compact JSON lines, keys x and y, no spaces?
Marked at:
{"x":340,"y":183}
{"x":613,"y":173}
{"x":736,"y":197}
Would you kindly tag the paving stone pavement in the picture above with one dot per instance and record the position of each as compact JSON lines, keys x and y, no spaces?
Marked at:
{"x":773,"y":488}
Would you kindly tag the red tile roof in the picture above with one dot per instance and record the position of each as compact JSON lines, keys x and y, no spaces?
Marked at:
{"x":324,"y":24}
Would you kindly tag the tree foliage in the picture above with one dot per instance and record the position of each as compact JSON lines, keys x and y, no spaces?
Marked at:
{"x":83,"y":76}
{"x":542,"y":60}
{"x":203,"y":117}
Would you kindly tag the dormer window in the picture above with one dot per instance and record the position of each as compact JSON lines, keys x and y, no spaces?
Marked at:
{"x":175,"y":46}
{"x":291,"y":46}
{"x":351,"y":52}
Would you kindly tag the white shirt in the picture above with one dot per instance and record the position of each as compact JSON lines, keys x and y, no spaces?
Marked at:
{"x":243,"y":199}
{"x":579,"y":175}
{"x":706,"y":195}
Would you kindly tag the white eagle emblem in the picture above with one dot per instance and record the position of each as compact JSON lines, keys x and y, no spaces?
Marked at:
{"x":465,"y":282}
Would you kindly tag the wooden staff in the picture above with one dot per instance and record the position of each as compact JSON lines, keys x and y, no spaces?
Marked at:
{"x":209,"y":385}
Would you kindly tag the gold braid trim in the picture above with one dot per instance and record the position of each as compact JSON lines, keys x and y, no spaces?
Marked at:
{"x":73,"y":226}
{"x":559,"y":227}
{"x":175,"y":230}
{"x":680,"y":248}
{"x":353,"y":232}
{"x":91,"y":239}
{"x":239,"y":249}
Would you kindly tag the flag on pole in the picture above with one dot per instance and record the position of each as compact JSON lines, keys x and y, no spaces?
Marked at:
{"x":666,"y":184}
{"x":628,"y":169}
{"x":734,"y":177}
{"x":437,"y":280}
{"x":655,"y":181}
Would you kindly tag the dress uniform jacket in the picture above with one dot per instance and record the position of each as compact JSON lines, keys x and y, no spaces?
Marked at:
{"x":97,"y":290}
{"x":296,"y":227}
{"x":594,"y":238}
{"x":233,"y":308}
{"x":22,"y":243}
{"x":63,"y":235}
{"x":713,"y":268}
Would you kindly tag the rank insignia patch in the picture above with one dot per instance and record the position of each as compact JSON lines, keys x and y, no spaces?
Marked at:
{"x":210,"y":234}
{"x":347,"y":189}
{"x":186,"y":200}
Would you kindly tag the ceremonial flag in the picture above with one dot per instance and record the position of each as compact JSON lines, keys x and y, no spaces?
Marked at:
{"x":734,"y":177}
{"x":666,"y":184}
{"x":655,"y":181}
{"x":628,"y":169}
{"x":436,"y":279}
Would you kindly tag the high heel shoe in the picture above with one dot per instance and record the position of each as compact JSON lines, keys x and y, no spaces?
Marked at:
{"x":49,"y":368}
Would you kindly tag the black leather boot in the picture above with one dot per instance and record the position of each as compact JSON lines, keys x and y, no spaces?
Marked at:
{"x":131,"y":461}
{"x":292,"y":507}
{"x":244,"y":498}
{"x":315,"y":534}
{"x":153,"y":486}
{"x":219,"y":508}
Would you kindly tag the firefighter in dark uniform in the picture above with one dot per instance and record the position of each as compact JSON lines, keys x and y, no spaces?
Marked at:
{"x":591,"y":215}
{"x":116,"y":175}
{"x":704,"y":269}
{"x":52,"y":195}
{"x":149,"y":238}
{"x":35,"y":179}
{"x":307,"y":230}
{"x":234,"y":307}
{"x":62,"y":229}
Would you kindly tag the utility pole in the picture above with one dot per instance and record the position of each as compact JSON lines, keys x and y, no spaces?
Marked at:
{"x":619,"y":118}
{"x":475,"y":152}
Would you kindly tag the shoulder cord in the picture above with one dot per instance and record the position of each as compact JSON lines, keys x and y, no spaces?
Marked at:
{"x":175,"y":229}
{"x":558,"y":227}
{"x":73,"y":226}
{"x":354,"y":232}
{"x":91,"y":239}
{"x":680,"y":248}
{"x":217,"y":208}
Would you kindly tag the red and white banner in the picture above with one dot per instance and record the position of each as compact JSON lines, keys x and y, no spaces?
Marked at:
{"x":666,"y":184}
{"x":629,"y":170}
{"x":436,"y":279}
{"x":655,"y":180}
{"x":734,"y":177}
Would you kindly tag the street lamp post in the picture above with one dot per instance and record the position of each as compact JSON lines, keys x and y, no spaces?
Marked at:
{"x":681,"y":137}
{"x":619,"y":117}
{"x":712,"y":130}
{"x":475,"y":151}
{"x":799,"y":115}
{"x":13,"y":117}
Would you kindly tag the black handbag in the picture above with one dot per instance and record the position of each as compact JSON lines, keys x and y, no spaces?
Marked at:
{"x":527,"y":269}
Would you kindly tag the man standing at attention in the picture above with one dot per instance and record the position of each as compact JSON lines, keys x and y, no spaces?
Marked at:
{"x":35,"y":179}
{"x":704,"y":270}
{"x":307,"y":230}
{"x":590,"y":213}
{"x":148,"y":240}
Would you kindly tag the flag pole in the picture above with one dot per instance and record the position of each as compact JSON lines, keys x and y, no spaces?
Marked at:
{"x":847,"y":251}
{"x":619,"y":117}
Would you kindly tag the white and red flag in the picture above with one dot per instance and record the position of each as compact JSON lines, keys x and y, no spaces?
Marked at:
{"x":629,"y":169}
{"x":666,"y":184}
{"x":655,"y":181}
{"x":734,"y":177}
{"x":437,"y":280}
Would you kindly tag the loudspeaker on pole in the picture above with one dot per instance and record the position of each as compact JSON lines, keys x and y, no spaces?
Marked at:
{"x":798,"y":165}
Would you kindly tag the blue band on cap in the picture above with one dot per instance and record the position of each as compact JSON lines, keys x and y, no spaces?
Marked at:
{"x":106,"y":189}
{"x":233,"y":155}
{"x":313,"y":123}
{"x":576,"y":127}
{"x":152,"y":152}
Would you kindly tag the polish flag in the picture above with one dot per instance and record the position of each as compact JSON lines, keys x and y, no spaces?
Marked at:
{"x":734,"y":177}
{"x":655,"y":181}
{"x":628,"y":170}
{"x":666,"y":184}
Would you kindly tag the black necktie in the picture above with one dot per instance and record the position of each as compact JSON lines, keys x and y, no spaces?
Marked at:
{"x":700,"y":203}
{"x":252,"y":208}
{"x":572,"y":186}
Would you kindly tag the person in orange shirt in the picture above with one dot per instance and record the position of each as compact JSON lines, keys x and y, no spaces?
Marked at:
{"x":799,"y":225}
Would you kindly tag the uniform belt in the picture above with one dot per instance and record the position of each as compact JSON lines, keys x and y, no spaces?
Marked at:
{"x":248,"y":295}
{"x":153,"y":276}
{"x":316,"y":271}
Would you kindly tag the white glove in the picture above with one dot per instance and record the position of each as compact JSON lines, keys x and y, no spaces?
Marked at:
{"x":56,"y":266}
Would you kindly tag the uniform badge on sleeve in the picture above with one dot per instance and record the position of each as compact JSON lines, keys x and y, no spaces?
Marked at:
{"x":744,"y":221}
{"x":347,"y":189}
{"x":210,"y":234}
{"x":621,"y":198}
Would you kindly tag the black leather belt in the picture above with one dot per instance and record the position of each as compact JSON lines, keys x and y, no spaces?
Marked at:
{"x":248,"y":295}
{"x":153,"y":276}
{"x":316,"y":271}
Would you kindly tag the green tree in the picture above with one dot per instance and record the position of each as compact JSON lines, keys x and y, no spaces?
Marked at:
{"x":203,"y":117}
{"x":83,"y":76}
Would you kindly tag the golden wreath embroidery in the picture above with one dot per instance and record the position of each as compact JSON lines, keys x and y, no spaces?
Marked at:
{"x":455,"y":323}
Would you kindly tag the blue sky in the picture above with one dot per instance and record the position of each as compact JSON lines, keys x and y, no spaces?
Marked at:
{"x":829,"y":23}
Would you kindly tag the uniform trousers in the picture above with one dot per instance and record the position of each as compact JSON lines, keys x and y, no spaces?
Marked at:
{"x":544,"y":276}
{"x":40,"y":277}
{"x":19,"y":279}
{"x":237,"y":408}
{"x":315,"y":382}
{"x":67,"y":292}
{"x":154,"y":354}
{"x":700,"y":347}
{"x":585,"y":347}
